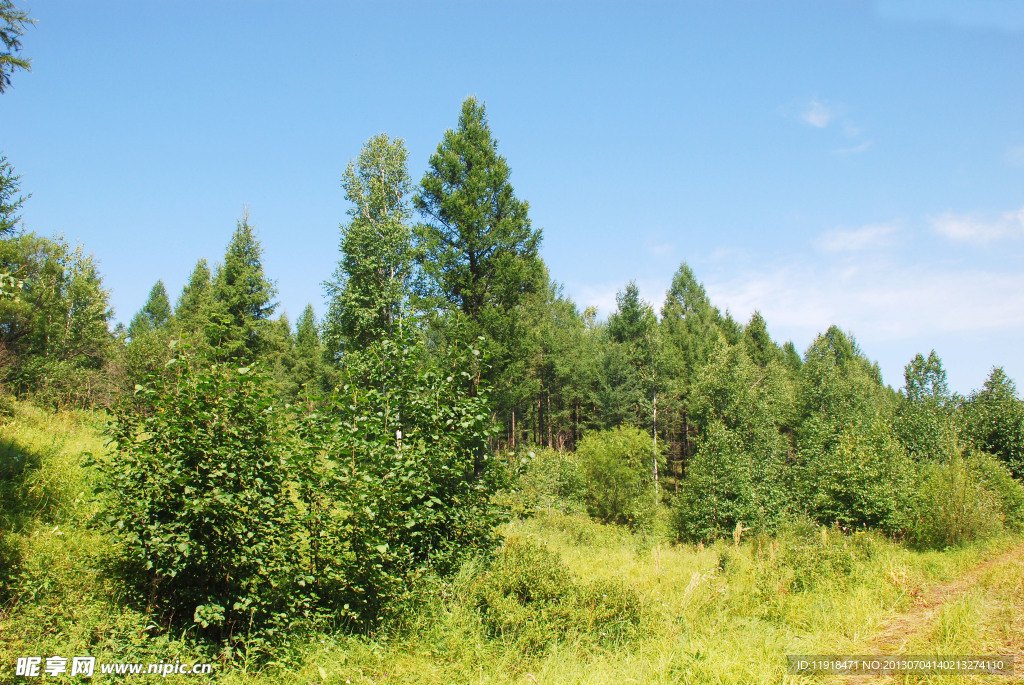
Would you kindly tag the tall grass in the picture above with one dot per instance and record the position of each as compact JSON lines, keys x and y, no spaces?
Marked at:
{"x":566,"y":600}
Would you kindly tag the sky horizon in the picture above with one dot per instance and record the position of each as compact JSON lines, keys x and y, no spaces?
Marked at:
{"x":851,"y":163}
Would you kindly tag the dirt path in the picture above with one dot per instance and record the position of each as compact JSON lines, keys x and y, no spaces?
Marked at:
{"x":893,"y":635}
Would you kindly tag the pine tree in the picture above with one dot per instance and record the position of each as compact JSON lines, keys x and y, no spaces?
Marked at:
{"x":309,"y":373}
{"x":479,"y":250}
{"x":241,"y":298}
{"x":10,"y":200}
{"x":759,"y":345}
{"x":154,"y":314}
{"x":12,"y":27}
{"x":371,"y":282}
{"x":195,"y":298}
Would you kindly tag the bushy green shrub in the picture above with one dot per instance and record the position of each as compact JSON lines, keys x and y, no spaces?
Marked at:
{"x":543,"y":480}
{"x":394,"y":479}
{"x":996,"y":478}
{"x":527,"y":596}
{"x":737,"y":475}
{"x":198,"y":501}
{"x":957,"y":502}
{"x":857,"y":477}
{"x":618,"y":465}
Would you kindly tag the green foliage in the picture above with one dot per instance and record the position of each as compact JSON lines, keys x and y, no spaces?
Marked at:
{"x":857,"y":477}
{"x":53,"y":327}
{"x":952,"y":505}
{"x":192,"y":308}
{"x":479,"y":250}
{"x":10,"y":200}
{"x":619,"y":468}
{"x":478,"y":255}
{"x":738,"y":474}
{"x":760,"y":347}
{"x":198,"y":501}
{"x":155,"y":314}
{"x":924,"y":421}
{"x":527,"y":597}
{"x":395,"y":478}
{"x":12,"y":27}
{"x":309,"y":374}
{"x":994,"y":420}
{"x":241,"y":295}
{"x":371,"y":282}
{"x":544,"y":480}
{"x":851,"y":468}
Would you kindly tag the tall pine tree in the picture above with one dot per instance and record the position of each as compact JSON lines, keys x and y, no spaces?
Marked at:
{"x":242,"y":298}
{"x":154,"y":314}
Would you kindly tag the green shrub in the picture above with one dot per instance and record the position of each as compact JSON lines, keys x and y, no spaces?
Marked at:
{"x":546,"y":479}
{"x":394,"y":480}
{"x":953,"y":504}
{"x":856,"y":477}
{"x":996,"y":478}
{"x":618,"y":467}
{"x":198,"y":501}
{"x":526,"y":596}
{"x":737,"y":475}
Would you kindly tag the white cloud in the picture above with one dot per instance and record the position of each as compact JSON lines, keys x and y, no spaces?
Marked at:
{"x":1015,"y":156}
{"x":970,"y":228}
{"x":662,"y":249}
{"x":858,"y":239}
{"x":876,"y":300}
{"x":819,"y":114}
{"x":855,"y":149}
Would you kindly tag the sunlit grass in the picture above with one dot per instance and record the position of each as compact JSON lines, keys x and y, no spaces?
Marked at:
{"x":724,"y":613}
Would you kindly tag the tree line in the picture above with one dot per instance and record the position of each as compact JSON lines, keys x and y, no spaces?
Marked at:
{"x":266,"y":472}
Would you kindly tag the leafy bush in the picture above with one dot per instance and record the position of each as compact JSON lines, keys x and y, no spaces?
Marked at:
{"x":198,"y":500}
{"x":736,"y":476}
{"x":618,"y":466}
{"x":527,"y":596}
{"x":858,"y":477}
{"x":546,"y":479}
{"x":996,"y":478}
{"x":955,"y":504}
{"x":394,"y":479}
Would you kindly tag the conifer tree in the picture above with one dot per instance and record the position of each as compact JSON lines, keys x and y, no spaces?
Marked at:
{"x":195,"y":298}
{"x":242,"y":298}
{"x":154,"y":314}
{"x":478,"y":254}
{"x":479,"y":249}
{"x":759,"y":345}
{"x":309,"y":373}
{"x":10,"y":200}
{"x":12,"y":27}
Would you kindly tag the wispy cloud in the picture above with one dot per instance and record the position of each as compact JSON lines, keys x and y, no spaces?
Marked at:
{"x":855,"y":149}
{"x":1005,"y":16}
{"x":970,"y":228}
{"x":857,"y":239}
{"x":876,"y":299}
{"x":1015,"y":156}
{"x":819,"y":114}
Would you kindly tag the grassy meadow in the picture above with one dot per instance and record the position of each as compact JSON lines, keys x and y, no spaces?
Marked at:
{"x":564,"y":599}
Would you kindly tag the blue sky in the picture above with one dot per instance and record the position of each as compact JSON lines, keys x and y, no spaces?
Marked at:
{"x":851,"y":163}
